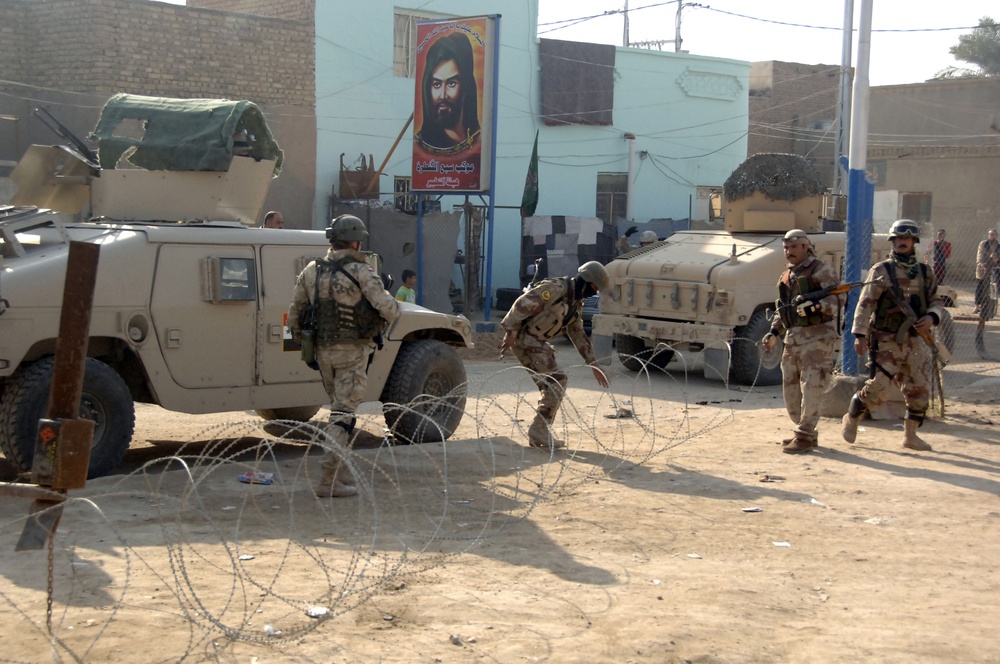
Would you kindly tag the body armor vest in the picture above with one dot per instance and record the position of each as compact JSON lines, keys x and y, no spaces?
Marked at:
{"x":557,"y":314}
{"x":789,"y":288}
{"x":888,"y":317}
{"x":340,"y":322}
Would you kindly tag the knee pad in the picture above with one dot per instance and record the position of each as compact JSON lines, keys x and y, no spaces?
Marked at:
{"x":348,"y":425}
{"x":857,"y":407}
{"x":918,"y":417}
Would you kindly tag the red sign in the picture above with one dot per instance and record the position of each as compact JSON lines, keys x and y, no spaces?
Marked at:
{"x":452,"y":116}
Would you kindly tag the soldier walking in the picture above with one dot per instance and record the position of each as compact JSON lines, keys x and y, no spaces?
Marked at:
{"x":352,"y":308}
{"x":549,"y":308}
{"x":810,"y":336}
{"x":899,"y":299}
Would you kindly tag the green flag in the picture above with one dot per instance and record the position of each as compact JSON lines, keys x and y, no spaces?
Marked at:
{"x":529,"y":201}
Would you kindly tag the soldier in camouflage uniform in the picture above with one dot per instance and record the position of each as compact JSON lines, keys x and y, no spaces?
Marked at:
{"x":898,"y":354}
{"x":810,"y":329}
{"x":352,"y":309}
{"x":550,"y":308}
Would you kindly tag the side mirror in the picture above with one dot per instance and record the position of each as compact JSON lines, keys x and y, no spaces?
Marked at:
{"x":386,"y":281}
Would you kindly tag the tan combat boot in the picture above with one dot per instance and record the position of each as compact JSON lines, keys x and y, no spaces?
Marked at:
{"x":910,"y":438}
{"x":539,"y":435}
{"x":849,"y":425}
{"x":789,"y":441}
{"x":849,"y":428}
{"x":330,"y":487}
{"x":798,"y":446}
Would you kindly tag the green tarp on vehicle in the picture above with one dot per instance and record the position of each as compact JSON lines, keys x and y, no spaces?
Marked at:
{"x":162,"y":134}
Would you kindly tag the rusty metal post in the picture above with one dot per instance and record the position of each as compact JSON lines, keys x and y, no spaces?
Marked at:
{"x":62,"y":450}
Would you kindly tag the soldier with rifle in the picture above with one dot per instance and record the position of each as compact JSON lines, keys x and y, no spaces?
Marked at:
{"x":807,"y":315}
{"x":892,"y":322}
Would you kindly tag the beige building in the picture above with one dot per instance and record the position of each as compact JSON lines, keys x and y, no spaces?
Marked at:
{"x":793,"y":109}
{"x":934,"y":154}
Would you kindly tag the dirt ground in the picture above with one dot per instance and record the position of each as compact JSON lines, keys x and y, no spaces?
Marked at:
{"x":680,"y":535}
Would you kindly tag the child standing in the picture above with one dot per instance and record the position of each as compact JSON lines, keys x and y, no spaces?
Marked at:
{"x":407,"y":292}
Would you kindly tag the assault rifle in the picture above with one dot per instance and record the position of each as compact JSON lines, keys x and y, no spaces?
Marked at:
{"x":836,"y":289}
{"x":938,"y":349}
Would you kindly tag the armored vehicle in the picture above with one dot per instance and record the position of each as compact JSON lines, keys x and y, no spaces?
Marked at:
{"x":714,"y":290}
{"x":190,"y":302}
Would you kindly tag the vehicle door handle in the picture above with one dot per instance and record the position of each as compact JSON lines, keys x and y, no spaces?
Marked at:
{"x":173,"y":337}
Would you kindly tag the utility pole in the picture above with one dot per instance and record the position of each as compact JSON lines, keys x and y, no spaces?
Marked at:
{"x":625,"y":33}
{"x":860,"y":192}
{"x":844,"y":100}
{"x":677,"y":27}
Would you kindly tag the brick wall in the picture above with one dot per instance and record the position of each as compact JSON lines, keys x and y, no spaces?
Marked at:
{"x":71,"y":55}
{"x":159,"y":49}
{"x":293,"y":10}
{"x":787,"y":100}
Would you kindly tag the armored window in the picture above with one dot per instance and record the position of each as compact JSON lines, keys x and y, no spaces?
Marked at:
{"x":230,"y":279}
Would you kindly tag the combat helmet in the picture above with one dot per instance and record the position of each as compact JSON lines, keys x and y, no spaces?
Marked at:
{"x":905,"y":228}
{"x":594,"y":273}
{"x":796,"y":235}
{"x":346,"y":228}
{"x":648,"y":237}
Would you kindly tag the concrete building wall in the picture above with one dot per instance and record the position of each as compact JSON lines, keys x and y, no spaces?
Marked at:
{"x":965,"y":198}
{"x":936,"y":113}
{"x":71,"y":55}
{"x":689,"y":115}
{"x":941,"y":138}
{"x":793,"y":107}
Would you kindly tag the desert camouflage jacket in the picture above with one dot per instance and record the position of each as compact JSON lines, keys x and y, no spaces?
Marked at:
{"x":822,"y":276}
{"x":545,"y":312}
{"x":341,"y":288}
{"x":922,"y":289}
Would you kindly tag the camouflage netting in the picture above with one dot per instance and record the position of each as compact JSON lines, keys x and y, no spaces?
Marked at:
{"x":780,"y":177}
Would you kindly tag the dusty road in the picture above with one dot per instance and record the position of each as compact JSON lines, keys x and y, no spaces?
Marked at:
{"x":652,"y":539}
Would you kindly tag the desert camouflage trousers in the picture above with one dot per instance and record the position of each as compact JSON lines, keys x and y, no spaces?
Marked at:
{"x":806,"y":370}
{"x":909,"y":366}
{"x":550,"y":379}
{"x":344,"y":368}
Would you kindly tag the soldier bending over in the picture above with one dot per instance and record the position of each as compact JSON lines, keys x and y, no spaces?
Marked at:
{"x":550,"y":308}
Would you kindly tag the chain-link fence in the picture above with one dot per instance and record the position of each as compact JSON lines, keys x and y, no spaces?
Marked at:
{"x":445,"y":249}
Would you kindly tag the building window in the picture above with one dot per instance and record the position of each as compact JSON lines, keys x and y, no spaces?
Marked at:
{"x":403,"y":200}
{"x":915,"y":206}
{"x":612,"y":196}
{"x":404,"y":43}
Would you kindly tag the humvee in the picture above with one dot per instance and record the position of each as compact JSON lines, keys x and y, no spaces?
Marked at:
{"x":714,"y":290}
{"x":190,"y":302}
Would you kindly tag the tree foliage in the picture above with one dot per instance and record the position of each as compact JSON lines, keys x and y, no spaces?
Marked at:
{"x":980,"y":48}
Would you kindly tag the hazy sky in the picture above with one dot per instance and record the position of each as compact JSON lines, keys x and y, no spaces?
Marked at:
{"x":896,"y":57}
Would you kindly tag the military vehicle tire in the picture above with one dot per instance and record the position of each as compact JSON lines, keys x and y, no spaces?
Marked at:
{"x":294,"y":413}
{"x":424,"y":396}
{"x":106,"y":401}
{"x":634,"y":355}
{"x":745,"y":367}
